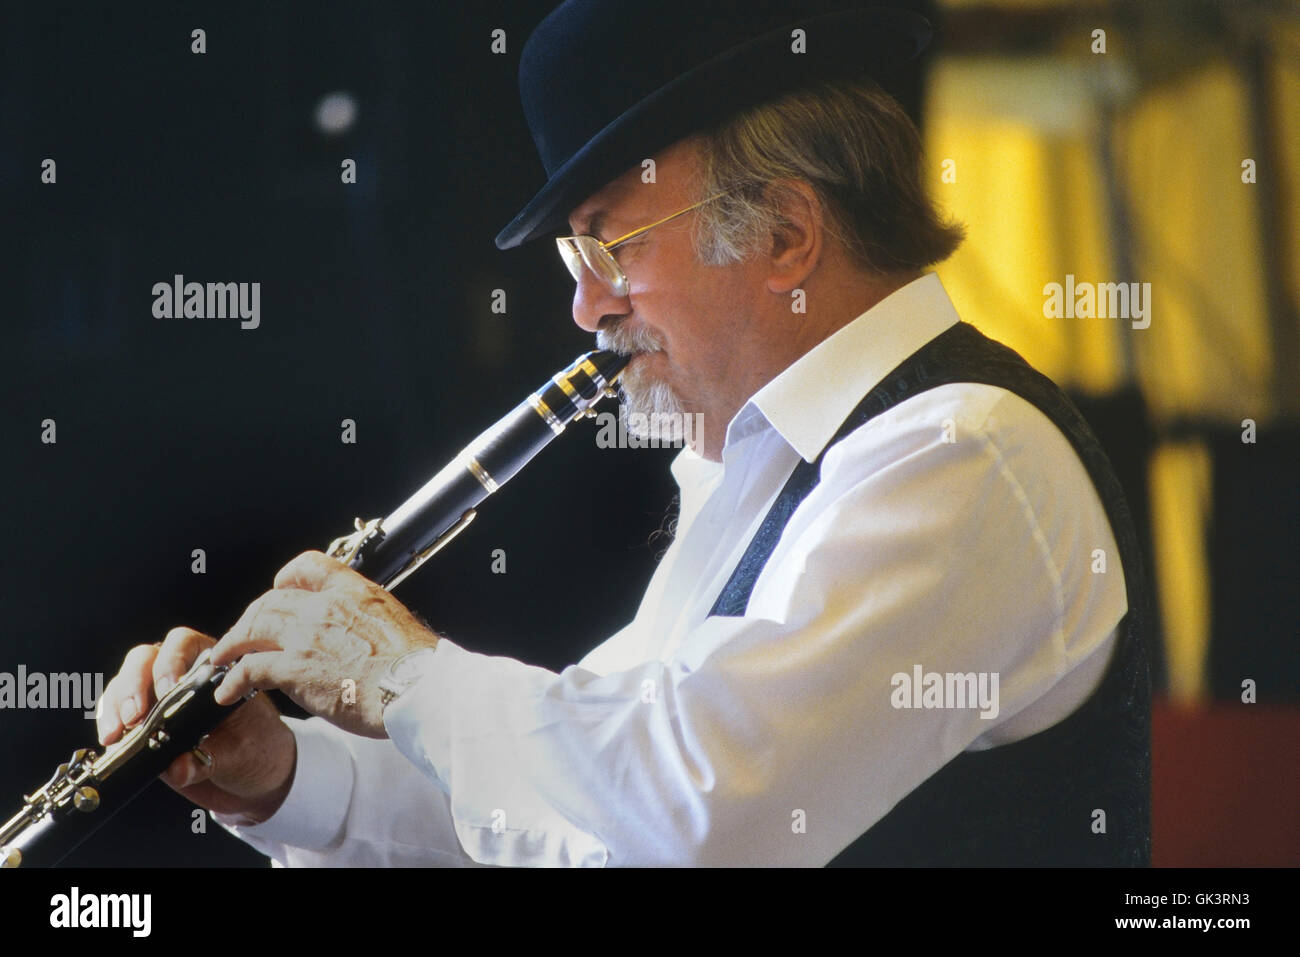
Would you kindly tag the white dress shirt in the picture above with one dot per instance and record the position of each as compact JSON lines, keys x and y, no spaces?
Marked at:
{"x":956,"y":532}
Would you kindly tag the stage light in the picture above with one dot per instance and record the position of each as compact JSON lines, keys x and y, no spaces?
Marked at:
{"x":336,"y":113}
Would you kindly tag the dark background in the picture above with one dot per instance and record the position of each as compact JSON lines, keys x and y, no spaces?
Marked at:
{"x":186,"y":433}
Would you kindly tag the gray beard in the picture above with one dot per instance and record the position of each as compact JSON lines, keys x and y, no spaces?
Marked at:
{"x":650,"y":409}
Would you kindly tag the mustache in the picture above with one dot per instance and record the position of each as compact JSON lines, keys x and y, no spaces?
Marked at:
{"x":628,"y":339}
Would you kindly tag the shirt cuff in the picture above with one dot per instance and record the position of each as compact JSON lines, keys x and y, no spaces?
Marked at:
{"x":315,"y":811}
{"x":417,"y":722}
{"x":470,"y":724}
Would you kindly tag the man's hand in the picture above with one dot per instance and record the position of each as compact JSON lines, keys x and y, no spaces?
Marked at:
{"x":253,"y":753}
{"x":324,"y":636}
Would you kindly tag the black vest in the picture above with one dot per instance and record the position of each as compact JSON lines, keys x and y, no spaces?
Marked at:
{"x":1033,"y":801}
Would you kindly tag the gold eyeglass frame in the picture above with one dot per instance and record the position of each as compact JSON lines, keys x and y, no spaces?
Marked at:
{"x":577,"y":251}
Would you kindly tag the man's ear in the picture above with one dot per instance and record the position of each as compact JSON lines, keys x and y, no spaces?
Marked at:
{"x":799,"y":239}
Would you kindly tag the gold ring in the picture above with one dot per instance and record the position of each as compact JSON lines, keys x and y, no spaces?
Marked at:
{"x":204,"y":758}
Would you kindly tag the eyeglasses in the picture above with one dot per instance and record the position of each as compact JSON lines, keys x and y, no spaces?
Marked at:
{"x":577,"y":251}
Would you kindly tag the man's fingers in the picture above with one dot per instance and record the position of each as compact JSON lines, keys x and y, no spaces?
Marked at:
{"x":177,"y":654}
{"x":131,"y":693}
{"x":242,"y":627}
{"x":265,"y":626}
{"x":260,"y":670}
{"x":128,"y":695}
{"x":188,"y":770}
{"x":237,"y":749}
{"x":312,"y":571}
{"x":250,"y":752}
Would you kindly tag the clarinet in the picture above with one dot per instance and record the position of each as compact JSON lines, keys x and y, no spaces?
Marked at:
{"x":89,"y":789}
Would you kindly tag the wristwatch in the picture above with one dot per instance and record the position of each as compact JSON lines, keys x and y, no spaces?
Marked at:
{"x":401,"y":674}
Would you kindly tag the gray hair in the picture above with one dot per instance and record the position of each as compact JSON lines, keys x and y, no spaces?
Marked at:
{"x":858,"y":150}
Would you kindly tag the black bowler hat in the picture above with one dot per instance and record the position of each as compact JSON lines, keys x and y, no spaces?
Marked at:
{"x":608,"y":83}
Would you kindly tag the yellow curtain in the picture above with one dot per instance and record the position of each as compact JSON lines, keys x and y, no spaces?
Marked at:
{"x":1015,"y":151}
{"x":1009,"y":155}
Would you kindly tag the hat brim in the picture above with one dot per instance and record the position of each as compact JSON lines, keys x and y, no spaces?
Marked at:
{"x":870,"y":41}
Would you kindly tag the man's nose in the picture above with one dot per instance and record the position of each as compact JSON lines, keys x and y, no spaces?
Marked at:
{"x":592,"y":302}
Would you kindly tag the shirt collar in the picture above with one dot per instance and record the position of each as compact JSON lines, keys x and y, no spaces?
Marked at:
{"x":810,"y":400}
{"x":813,"y":396}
